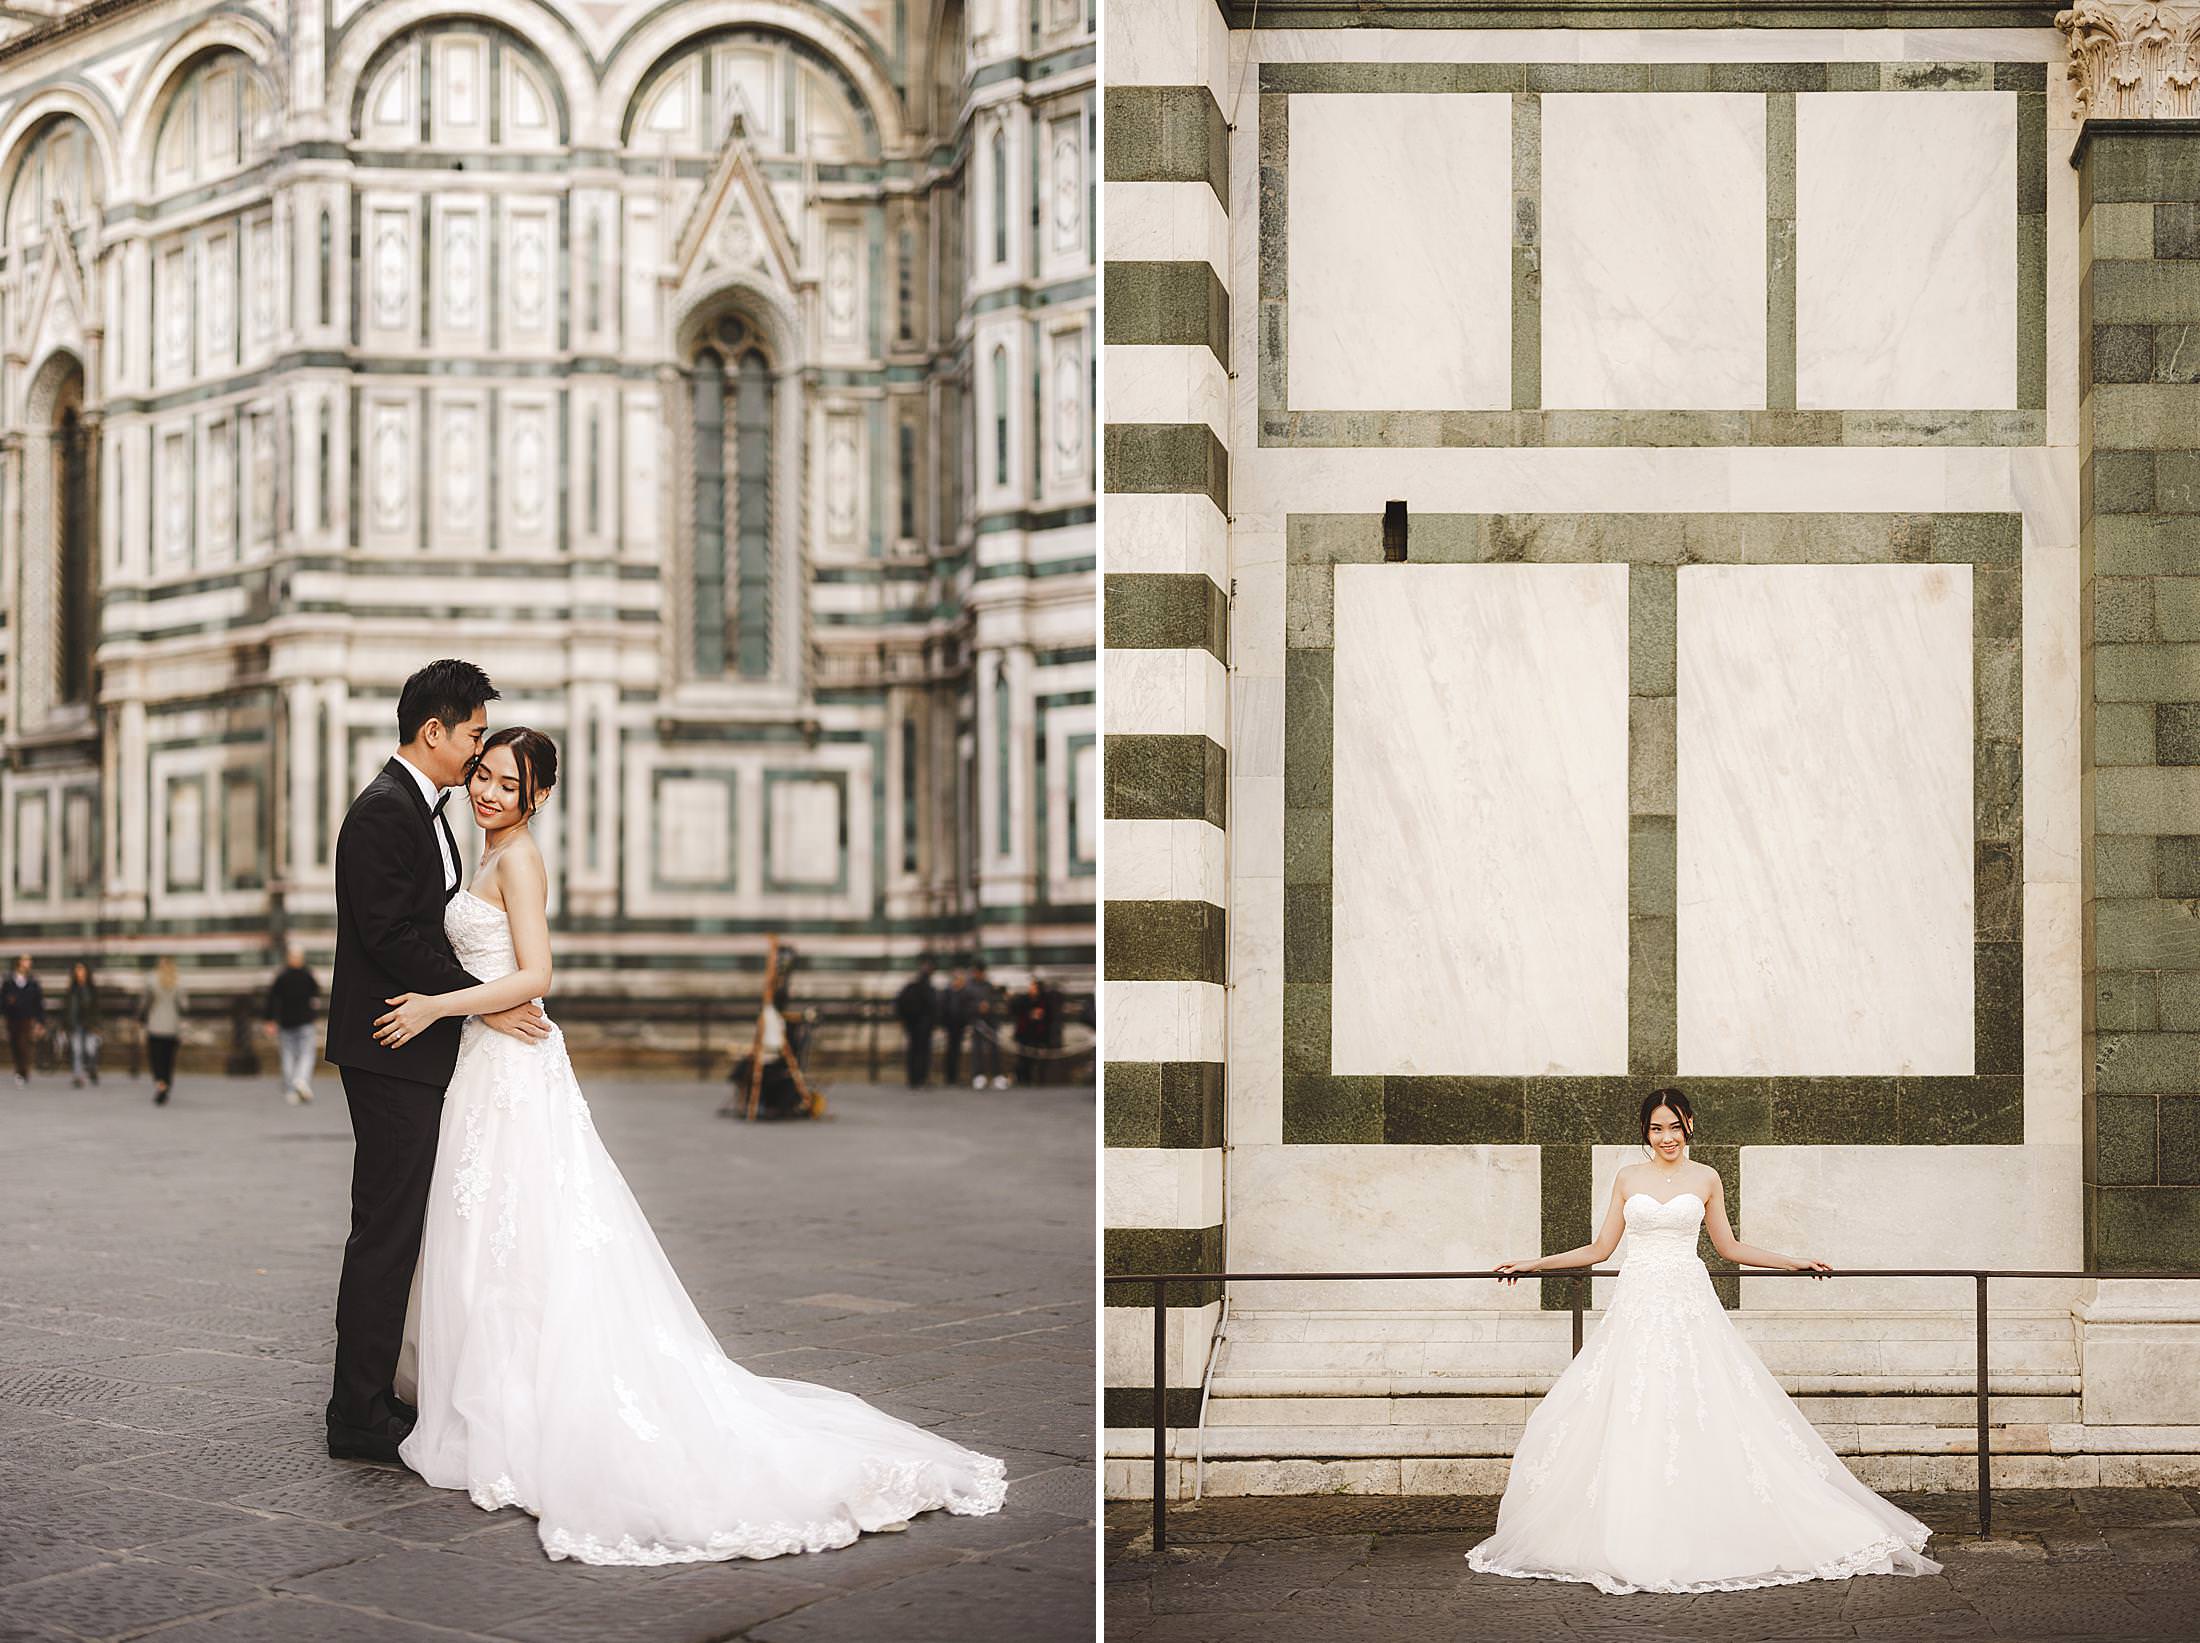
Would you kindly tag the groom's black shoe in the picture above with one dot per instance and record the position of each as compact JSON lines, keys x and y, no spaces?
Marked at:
{"x":350,"y":1443}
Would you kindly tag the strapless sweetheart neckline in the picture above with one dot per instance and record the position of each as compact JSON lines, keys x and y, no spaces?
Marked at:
{"x":1662,"y":1202}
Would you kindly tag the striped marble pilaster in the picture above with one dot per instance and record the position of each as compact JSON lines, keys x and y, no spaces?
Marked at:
{"x":1165,"y":657}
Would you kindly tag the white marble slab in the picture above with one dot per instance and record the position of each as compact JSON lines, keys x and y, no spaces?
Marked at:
{"x":1906,"y":250}
{"x":1163,"y":1187}
{"x":1376,"y":1209}
{"x":1164,"y":693}
{"x":1653,"y":250}
{"x":1825,"y":828}
{"x":1180,"y":532}
{"x":1161,"y":1021}
{"x":1164,"y":861}
{"x":1155,"y":382}
{"x":1157,"y":42}
{"x":1166,"y":222}
{"x":1400,"y":252}
{"x":1480,"y":920}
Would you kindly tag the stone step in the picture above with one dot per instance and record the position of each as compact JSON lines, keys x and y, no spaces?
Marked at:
{"x":1885,"y":1409}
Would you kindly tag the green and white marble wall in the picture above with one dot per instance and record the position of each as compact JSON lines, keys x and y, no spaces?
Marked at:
{"x":1172,"y":801}
{"x":2138,"y":163}
{"x":1721,"y":728}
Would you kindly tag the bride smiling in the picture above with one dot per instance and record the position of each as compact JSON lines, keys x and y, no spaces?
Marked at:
{"x":562,"y":1366}
{"x":1666,"y":1458}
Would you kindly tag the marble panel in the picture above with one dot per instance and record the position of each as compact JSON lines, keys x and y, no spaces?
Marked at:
{"x":1163,"y":1187}
{"x":1164,"y":692}
{"x":1481,"y":819}
{"x":1164,"y":861}
{"x":1162,"y":1020}
{"x":1825,"y":825}
{"x":1166,"y":222}
{"x":1400,"y":252}
{"x":1165,"y":43}
{"x":1151,"y":382}
{"x":1906,"y":250}
{"x":1166,"y":532}
{"x":1653,"y":251}
{"x":806,"y":832}
{"x":1375,"y":1209}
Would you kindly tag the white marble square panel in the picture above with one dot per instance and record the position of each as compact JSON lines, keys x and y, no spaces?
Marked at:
{"x":1824,"y":724}
{"x":1653,"y":251}
{"x":1384,"y":1209}
{"x":1400,"y":270}
{"x":1906,"y":250}
{"x":1480,"y":921}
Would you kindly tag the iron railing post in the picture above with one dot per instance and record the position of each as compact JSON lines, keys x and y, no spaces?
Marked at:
{"x":1160,"y":1417}
{"x":1985,"y":1454}
{"x":1573,"y":1295}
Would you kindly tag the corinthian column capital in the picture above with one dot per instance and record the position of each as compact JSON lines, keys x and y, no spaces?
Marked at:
{"x":2132,"y":60}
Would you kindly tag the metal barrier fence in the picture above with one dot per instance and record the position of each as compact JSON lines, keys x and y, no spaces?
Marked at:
{"x":1159,"y":1282}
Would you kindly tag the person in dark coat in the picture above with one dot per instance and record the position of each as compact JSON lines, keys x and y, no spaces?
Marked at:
{"x":917,"y":1007}
{"x":289,"y":1017}
{"x":1033,"y":1023}
{"x":80,"y":1024}
{"x":987,"y":1022}
{"x":23,"y":1003}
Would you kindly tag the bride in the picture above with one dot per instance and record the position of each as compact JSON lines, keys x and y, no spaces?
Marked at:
{"x":561,"y":1365}
{"x":1666,"y":1458}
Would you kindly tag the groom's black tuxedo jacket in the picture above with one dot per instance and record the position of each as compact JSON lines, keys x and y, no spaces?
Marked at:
{"x":389,"y":930}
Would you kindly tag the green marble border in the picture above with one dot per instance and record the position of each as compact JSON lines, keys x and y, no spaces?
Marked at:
{"x":1166,"y":304}
{"x":1163,"y":778}
{"x":1985,"y":1107}
{"x":1166,"y":610}
{"x":1166,"y":458}
{"x":1643,"y":14}
{"x":1162,"y":1249}
{"x":1176,"y":1104}
{"x":1165,"y":134}
{"x":1527,"y":424}
{"x":1165,"y":940}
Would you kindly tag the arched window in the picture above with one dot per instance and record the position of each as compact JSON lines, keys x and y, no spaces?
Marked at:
{"x":909,"y":794}
{"x":1001,"y":808}
{"x":753,"y":459}
{"x":1000,"y":194}
{"x":709,"y":415}
{"x":76,"y":542}
{"x":328,"y":268}
{"x":908,"y":481}
{"x":1000,"y":415}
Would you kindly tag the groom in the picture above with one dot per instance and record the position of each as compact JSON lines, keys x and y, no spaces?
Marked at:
{"x":396,"y":865}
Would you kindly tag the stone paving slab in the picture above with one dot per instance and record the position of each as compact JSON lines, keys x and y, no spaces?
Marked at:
{"x":167,"y":1290}
{"x":2090,"y":1563}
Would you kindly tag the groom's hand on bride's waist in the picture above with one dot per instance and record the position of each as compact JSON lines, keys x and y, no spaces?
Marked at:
{"x":522,"y":1021}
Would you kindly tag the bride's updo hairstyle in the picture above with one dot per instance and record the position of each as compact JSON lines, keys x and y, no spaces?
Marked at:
{"x":1668,"y":1097}
{"x":534,"y":753}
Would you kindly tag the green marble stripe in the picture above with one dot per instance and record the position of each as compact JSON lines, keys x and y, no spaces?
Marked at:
{"x":1166,"y":610}
{"x":1780,"y":251}
{"x":1175,"y":1104}
{"x":1774,"y":427}
{"x":2032,"y":250}
{"x":1133,"y":1405}
{"x":1602,"y":1110}
{"x":1527,"y":250}
{"x":1271,"y":343}
{"x":1164,"y":778}
{"x":1166,"y":134}
{"x":1727,"y":1160}
{"x":1165,"y":941}
{"x":1162,"y":1249}
{"x":1645,"y":14}
{"x":1167,"y":458}
{"x":1169,"y":304}
{"x":1566,"y":1179}
{"x":1989,"y":542}
{"x":1531,"y":78}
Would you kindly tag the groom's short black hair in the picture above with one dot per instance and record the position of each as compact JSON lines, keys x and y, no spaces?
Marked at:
{"x":447,"y":691}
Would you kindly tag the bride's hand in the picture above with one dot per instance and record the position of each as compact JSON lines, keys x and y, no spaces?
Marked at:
{"x":1513,"y":1270}
{"x":1817,"y":1269}
{"x":415,"y":1013}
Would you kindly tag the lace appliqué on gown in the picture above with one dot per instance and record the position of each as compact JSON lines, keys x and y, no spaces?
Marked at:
{"x":1624,"y":1480}
{"x":564,"y":1369}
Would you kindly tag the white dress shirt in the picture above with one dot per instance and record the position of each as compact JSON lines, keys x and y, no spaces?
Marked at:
{"x":429,"y":792}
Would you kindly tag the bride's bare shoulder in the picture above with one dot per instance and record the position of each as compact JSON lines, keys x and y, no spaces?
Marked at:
{"x":1707,"y":1178}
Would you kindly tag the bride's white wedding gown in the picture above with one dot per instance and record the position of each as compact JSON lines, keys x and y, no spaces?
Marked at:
{"x":562,"y":1367}
{"x":1667,"y":1459}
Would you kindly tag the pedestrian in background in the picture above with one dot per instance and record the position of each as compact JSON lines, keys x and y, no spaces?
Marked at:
{"x":986,"y":1023}
{"x":165,"y":1002}
{"x":917,"y":1007}
{"x":80,"y":1024}
{"x":289,"y":1017}
{"x":1034,"y":1020}
{"x":23,"y":1002}
{"x":954,"y":1023}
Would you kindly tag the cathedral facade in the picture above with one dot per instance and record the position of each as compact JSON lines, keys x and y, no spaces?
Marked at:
{"x":718,"y":375}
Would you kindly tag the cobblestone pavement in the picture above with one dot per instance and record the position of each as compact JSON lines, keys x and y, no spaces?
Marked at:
{"x":2088,"y":1563}
{"x":167,"y":1293}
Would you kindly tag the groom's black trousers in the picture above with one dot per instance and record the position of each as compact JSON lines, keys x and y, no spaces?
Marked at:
{"x":394,"y":1121}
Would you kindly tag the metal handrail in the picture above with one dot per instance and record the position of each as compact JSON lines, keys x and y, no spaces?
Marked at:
{"x":1575,"y":1277}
